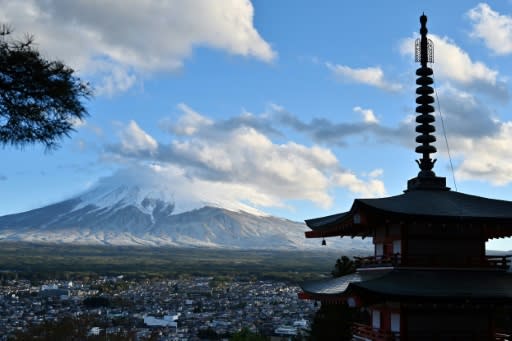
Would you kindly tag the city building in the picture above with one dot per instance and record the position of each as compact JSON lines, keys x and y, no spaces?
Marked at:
{"x":429,"y":277}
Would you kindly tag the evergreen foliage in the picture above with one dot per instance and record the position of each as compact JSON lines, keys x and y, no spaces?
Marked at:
{"x":96,"y":302}
{"x":246,"y":335}
{"x":334,"y":321}
{"x":343,"y":266}
{"x":40,"y":100}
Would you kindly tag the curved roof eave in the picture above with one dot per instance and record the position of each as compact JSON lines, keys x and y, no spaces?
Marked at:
{"x":442,"y":204}
{"x":440,"y":285}
{"x":417,"y":285}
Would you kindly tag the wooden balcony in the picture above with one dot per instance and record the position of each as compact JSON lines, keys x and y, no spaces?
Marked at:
{"x":499,"y":262}
{"x":503,"y":337}
{"x":364,"y":332}
{"x":492,"y":262}
{"x":378,"y":261}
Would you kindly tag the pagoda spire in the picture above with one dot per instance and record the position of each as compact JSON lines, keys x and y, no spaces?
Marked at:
{"x":426,"y":178}
{"x":424,"y":109}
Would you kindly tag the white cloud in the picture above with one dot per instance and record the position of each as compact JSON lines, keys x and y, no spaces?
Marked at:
{"x":77,"y":122}
{"x":376,"y":173}
{"x":188,"y":193}
{"x":464,"y":114}
{"x":134,"y":140}
{"x":488,"y":158}
{"x":368,"y":115}
{"x":370,"y":189}
{"x":373,"y":76}
{"x":114,"y":79}
{"x":479,"y":141}
{"x":190,"y":122}
{"x":134,"y":36}
{"x":492,"y":27}
{"x":204,"y":153}
{"x":241,"y":161}
{"x":246,"y":156}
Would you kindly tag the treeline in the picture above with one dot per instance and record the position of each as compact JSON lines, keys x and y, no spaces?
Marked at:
{"x":39,"y":262}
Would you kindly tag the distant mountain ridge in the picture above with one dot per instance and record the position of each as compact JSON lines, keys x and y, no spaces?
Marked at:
{"x":132,"y":215}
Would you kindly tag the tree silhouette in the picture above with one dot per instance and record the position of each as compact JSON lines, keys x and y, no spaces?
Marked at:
{"x":246,"y":335}
{"x":40,"y":100}
{"x":334,"y":321}
{"x":343,"y":266}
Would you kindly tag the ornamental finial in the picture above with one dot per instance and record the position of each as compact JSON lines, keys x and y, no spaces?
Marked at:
{"x":425,"y":54}
{"x":424,"y":48}
{"x":425,"y":99}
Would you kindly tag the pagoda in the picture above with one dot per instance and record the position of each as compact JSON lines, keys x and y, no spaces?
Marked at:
{"x":429,"y":277}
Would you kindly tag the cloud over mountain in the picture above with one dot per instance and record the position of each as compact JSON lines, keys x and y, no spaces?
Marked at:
{"x":126,"y":210}
{"x":236,"y":160}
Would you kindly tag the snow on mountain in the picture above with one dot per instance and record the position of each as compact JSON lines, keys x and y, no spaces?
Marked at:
{"x":135,"y":215}
{"x":132,"y":186}
{"x":146,"y":200}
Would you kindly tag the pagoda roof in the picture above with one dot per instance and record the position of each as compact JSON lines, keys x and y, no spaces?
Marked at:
{"x":338,"y":285}
{"x":326,"y":222}
{"x":404,"y":284}
{"x":419,"y":203}
{"x":441,"y":203}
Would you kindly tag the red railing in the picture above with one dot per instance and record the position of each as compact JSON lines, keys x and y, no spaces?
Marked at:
{"x":502,"y":337}
{"x":367,"y":332}
{"x":457,"y":335}
{"x":500,"y":262}
{"x":495,"y":262}
{"x":372,"y":261}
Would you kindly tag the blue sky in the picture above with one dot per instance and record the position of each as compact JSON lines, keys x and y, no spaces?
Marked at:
{"x":294,"y":108}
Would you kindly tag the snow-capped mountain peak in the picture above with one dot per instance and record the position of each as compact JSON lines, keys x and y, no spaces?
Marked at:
{"x":147,"y":215}
{"x":148,"y":201}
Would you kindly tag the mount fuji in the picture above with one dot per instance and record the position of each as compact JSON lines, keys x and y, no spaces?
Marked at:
{"x":147,"y":216}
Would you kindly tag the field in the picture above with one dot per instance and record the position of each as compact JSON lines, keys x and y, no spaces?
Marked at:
{"x":57,"y":261}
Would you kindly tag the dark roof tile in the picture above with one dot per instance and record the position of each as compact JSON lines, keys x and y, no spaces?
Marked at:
{"x":414,"y":284}
{"x":441,"y":204}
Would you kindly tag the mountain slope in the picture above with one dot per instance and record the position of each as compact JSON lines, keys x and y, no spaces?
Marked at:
{"x":127,"y":215}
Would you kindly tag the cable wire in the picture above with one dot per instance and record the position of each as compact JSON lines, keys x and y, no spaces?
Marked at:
{"x":444,"y":134}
